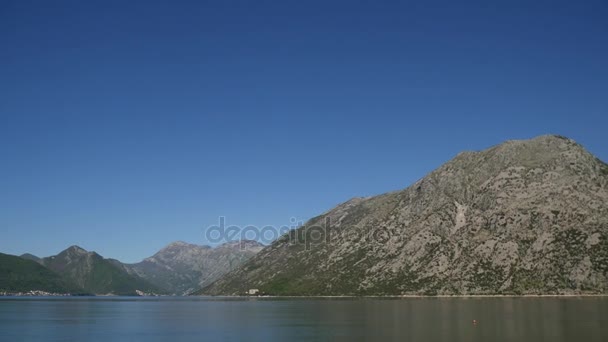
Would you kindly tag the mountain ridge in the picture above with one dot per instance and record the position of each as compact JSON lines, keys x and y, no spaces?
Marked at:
{"x":182,"y":267}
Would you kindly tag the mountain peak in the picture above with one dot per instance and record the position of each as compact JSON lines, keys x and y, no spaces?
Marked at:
{"x":178,"y":244}
{"x":28,"y":256}
{"x":557,"y":153}
{"x":177,"y":248}
{"x":76,"y":249}
{"x":32,"y":257}
{"x":544,"y":137}
{"x":547,"y":141}
{"x":182,"y":244}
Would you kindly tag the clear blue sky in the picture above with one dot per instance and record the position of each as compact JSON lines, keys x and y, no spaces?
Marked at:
{"x":125,"y":125}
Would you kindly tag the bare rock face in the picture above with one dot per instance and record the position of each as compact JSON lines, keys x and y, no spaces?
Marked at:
{"x":523,"y":217}
{"x":181,"y":268}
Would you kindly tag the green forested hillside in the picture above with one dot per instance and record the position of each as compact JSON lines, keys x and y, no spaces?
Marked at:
{"x":95,"y":274}
{"x":21,"y":275}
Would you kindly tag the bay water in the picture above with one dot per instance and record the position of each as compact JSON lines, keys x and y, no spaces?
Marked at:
{"x":303,"y":319}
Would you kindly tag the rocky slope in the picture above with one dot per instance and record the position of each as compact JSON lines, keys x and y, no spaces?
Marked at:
{"x":21,"y":275}
{"x":94,"y":274}
{"x":180,"y":267}
{"x":523,"y":217}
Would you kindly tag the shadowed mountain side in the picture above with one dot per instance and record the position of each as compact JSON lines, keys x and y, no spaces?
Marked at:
{"x":21,"y":275}
{"x":97,"y":275}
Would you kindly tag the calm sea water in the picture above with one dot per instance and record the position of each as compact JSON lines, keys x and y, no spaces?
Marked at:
{"x":264,"y":319}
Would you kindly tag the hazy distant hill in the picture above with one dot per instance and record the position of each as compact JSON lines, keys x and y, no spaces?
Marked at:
{"x":22,"y":275}
{"x":95,"y":274}
{"x":181,"y":267}
{"x":31,"y":257}
{"x":521,"y":217}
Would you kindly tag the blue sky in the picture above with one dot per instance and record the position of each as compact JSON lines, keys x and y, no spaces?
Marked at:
{"x":125,"y":125}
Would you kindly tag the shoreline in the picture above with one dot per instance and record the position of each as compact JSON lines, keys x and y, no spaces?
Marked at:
{"x":460,"y":296}
{"x":412,"y":296}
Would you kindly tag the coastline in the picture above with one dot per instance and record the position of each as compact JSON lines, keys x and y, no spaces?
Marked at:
{"x":413,"y":296}
{"x":35,"y":293}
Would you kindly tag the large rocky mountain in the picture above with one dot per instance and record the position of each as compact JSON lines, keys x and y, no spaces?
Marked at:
{"x":94,"y":274}
{"x":181,"y":268}
{"x":21,"y":275}
{"x":523,"y":217}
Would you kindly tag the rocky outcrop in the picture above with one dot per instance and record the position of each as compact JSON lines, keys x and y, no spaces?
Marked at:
{"x":523,"y":217}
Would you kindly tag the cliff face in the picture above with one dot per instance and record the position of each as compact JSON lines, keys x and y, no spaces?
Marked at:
{"x":523,"y":217}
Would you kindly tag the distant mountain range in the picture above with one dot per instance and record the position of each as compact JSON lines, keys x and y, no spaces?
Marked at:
{"x":523,"y":217}
{"x":176,"y":269}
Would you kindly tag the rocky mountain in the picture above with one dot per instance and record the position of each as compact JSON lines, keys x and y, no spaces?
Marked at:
{"x":94,"y":274}
{"x":180,"y":267}
{"x":523,"y":217}
{"x":21,"y":275}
